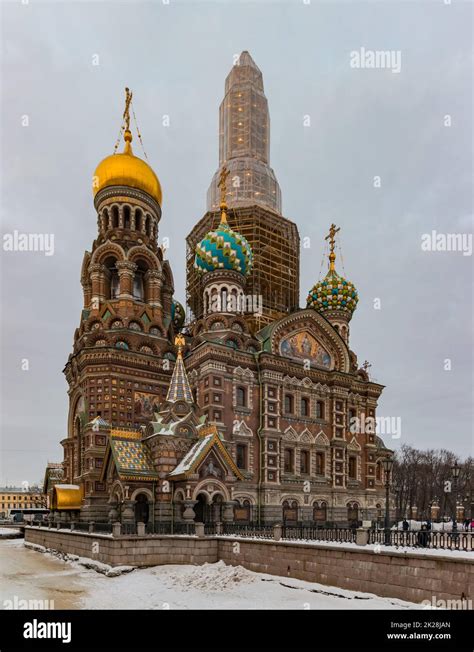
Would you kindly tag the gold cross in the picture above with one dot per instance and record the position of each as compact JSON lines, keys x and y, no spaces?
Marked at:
{"x":331,"y":236}
{"x":223,"y":183}
{"x":126,"y":113}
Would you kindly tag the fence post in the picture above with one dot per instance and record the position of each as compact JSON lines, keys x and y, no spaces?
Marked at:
{"x":199,"y":529}
{"x":72,"y":526}
{"x":141,"y":529}
{"x":116,"y":529}
{"x":277,"y":529}
{"x":91,"y":526}
{"x":218,"y":528}
{"x":362,"y":536}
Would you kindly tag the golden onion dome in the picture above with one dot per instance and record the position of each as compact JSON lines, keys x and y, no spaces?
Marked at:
{"x":126,"y":169}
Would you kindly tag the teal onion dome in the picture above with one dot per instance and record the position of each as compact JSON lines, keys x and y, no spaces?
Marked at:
{"x":223,"y":249}
{"x":333,"y":293}
{"x":178,"y":314}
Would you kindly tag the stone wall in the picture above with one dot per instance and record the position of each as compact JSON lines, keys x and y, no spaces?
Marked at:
{"x":406,"y":575}
{"x":127,"y":550}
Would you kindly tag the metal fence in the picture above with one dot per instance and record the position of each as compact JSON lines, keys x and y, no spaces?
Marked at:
{"x":425,"y":539}
{"x":248,"y":530}
{"x":313,"y":533}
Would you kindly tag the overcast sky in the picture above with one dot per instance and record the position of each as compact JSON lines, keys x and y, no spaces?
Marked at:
{"x":363,"y":123}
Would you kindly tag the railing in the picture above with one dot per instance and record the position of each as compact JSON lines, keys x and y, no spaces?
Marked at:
{"x":314,"y":533}
{"x":81,"y":527}
{"x":248,"y":530}
{"x":128,"y":528}
{"x":425,"y":539}
{"x":103,"y":528}
{"x":158,"y":528}
{"x":210,"y":529}
{"x":183,"y":528}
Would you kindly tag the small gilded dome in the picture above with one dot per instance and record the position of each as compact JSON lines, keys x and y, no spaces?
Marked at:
{"x":223,"y":249}
{"x":333,"y":293}
{"x":126,"y":169}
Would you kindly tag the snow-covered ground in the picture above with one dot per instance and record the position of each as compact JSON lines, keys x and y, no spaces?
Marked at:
{"x":9,"y":533}
{"x":29,"y":574}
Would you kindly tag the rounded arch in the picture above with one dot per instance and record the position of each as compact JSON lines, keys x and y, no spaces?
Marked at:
{"x":179,"y":495}
{"x":121,"y":338}
{"x":141,"y":253}
{"x":220,"y":488}
{"x":117,"y":491}
{"x":142,"y":490}
{"x":108,"y":249}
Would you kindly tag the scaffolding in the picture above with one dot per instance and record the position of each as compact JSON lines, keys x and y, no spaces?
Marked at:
{"x":275,"y":274}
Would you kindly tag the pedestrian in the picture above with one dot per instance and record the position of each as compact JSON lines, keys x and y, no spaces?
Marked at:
{"x":422,"y":537}
{"x":405,"y":525}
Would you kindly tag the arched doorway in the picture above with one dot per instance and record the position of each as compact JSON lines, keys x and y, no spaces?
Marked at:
{"x":141,"y":508}
{"x":201,"y":509}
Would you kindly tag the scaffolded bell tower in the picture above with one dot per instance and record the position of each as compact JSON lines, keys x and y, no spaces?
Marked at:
{"x":254,"y":199}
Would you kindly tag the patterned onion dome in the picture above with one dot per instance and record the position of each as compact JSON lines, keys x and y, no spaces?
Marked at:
{"x":177,"y":314}
{"x":223,"y":249}
{"x":333,"y":293}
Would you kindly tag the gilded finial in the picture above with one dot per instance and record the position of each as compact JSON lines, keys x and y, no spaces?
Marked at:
{"x":126,"y":118}
{"x":179,"y":342}
{"x":332,"y":239}
{"x":223,"y":187}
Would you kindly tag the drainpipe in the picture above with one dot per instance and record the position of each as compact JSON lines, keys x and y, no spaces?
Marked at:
{"x":259,"y":435}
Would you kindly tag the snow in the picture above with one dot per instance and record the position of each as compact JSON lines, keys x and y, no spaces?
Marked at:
{"x":209,"y":586}
{"x":445,"y":526}
{"x":9,"y":533}
{"x":99,"y":567}
{"x":191,"y":455}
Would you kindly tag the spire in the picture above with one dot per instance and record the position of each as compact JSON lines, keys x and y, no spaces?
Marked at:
{"x":127,"y":136}
{"x":332,"y":239}
{"x":244,"y":141}
{"x":179,"y":389}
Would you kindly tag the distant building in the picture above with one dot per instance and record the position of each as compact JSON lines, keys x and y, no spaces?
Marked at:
{"x":20,"y":498}
{"x":245,"y":413}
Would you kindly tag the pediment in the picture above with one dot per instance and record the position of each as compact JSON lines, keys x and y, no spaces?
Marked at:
{"x":290,"y":434}
{"x":307,"y":337}
{"x":321,"y":439}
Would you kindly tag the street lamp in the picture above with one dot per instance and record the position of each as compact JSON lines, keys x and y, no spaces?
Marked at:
{"x":387,"y":465}
{"x":455,"y":471}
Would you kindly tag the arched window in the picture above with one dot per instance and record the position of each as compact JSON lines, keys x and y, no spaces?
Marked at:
{"x":353,"y":513}
{"x":290,"y":512}
{"x":319,"y":463}
{"x":138,"y":219}
{"x":112,"y":277}
{"x":378,"y":471}
{"x":115,"y":217}
{"x":304,"y":462}
{"x":320,"y":409}
{"x":288,"y":404}
{"x":353,"y":467}
{"x":289,"y":460}
{"x":241,"y":456}
{"x":305,"y":407}
{"x":320,"y":512}
{"x":126,"y":216}
{"x":139,"y":283}
{"x":241,"y":397}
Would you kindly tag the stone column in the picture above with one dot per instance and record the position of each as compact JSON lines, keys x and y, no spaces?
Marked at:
{"x":113,"y":512}
{"x":126,"y":272}
{"x":189,"y":514}
{"x":97,"y":276}
{"x":199,"y":530}
{"x":141,"y":529}
{"x":153,"y":285}
{"x":228,"y":512}
{"x":128,"y":512}
{"x":277,"y":531}
{"x":362,"y":536}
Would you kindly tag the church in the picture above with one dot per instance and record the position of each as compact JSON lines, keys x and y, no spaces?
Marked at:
{"x":238,"y":409}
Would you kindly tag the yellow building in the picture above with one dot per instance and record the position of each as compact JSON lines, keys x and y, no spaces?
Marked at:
{"x":19,"y":498}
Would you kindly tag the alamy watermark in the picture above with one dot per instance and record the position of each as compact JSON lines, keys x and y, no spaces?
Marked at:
{"x":376,"y":59}
{"x":17,"y":241}
{"x":391,"y":426}
{"x":435,"y":241}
